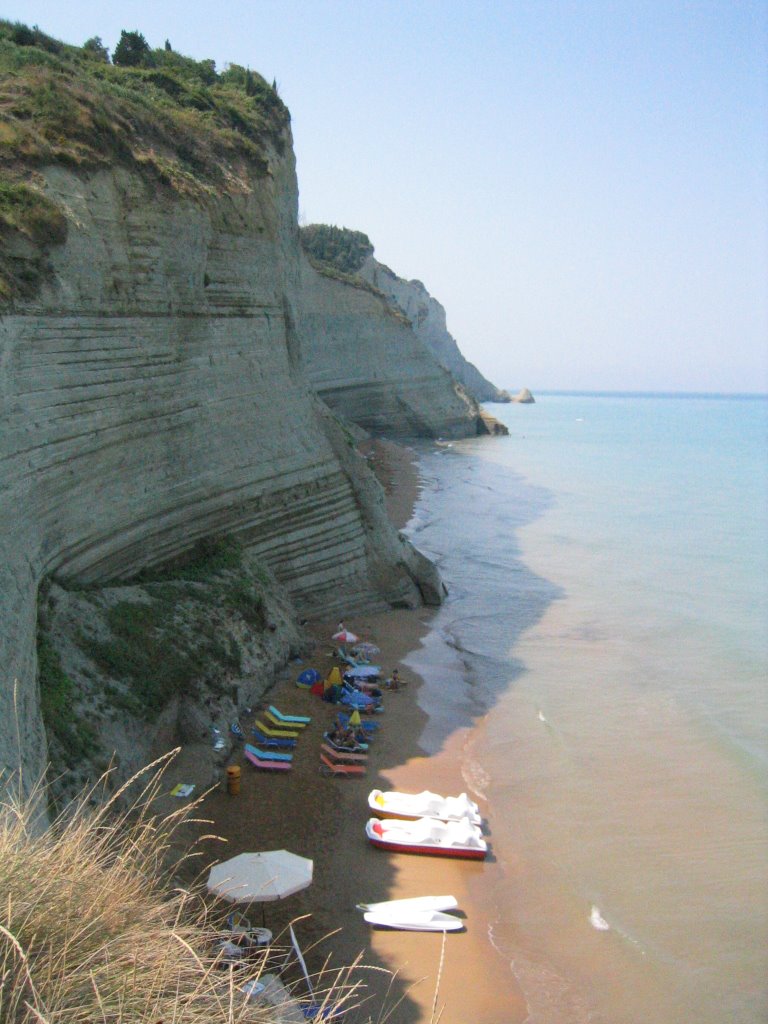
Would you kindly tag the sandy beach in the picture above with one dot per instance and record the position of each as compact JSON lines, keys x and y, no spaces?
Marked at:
{"x":457,"y":979}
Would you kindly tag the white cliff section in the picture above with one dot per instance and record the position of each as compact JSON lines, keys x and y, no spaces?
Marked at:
{"x":367,"y":364}
{"x":152,"y":395}
{"x":427,"y":316}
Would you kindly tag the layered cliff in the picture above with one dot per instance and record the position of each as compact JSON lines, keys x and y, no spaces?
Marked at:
{"x":152,"y":390}
{"x":427,"y":317}
{"x":365,"y":361}
{"x":163,"y":343}
{"x":347,"y":256}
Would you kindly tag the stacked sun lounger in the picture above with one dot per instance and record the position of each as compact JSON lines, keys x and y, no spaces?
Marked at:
{"x":275,"y":739}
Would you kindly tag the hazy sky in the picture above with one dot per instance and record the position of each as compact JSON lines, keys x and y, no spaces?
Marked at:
{"x":583,"y":185}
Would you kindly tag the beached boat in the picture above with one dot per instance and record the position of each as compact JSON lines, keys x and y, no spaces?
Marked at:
{"x":428,"y":836}
{"x":411,"y":903}
{"x":416,"y":921}
{"x":410,"y":806}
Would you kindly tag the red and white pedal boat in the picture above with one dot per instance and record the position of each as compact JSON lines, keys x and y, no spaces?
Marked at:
{"x":428,"y":836}
{"x":410,"y":806}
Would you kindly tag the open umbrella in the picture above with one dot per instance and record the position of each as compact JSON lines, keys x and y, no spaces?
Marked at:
{"x":345,"y":637}
{"x":260,"y":877}
{"x":366,"y":650}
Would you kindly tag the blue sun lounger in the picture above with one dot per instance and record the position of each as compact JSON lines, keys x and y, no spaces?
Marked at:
{"x":271,"y":741}
{"x":267,"y":755}
{"x":289,"y":719}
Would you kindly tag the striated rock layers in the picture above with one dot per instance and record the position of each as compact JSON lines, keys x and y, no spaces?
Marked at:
{"x":367,"y":363}
{"x":154,"y":393}
{"x":427,"y":317}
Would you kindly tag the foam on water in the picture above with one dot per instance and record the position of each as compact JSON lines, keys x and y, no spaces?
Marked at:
{"x":597,"y":920}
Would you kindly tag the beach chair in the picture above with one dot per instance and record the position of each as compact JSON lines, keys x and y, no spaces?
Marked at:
{"x":328,"y":767}
{"x":277,"y":723}
{"x":278,"y":734}
{"x":270,"y":766}
{"x":267,"y":755}
{"x":292,"y":719}
{"x":343,"y":755}
{"x":271,"y":741}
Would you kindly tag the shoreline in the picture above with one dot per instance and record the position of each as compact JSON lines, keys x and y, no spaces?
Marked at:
{"x":324,"y":818}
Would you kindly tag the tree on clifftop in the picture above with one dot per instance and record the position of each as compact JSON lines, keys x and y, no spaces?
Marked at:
{"x":132,"y":51}
{"x":96,"y":49}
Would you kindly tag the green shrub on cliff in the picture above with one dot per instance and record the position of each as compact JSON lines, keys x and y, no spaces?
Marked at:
{"x":76,"y":737}
{"x":132,"y":51}
{"x":342,"y":248}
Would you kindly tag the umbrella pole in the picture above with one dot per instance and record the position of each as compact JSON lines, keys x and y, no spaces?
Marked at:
{"x":301,"y":961}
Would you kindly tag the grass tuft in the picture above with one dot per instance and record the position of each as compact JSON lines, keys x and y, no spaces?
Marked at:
{"x":93,"y":929}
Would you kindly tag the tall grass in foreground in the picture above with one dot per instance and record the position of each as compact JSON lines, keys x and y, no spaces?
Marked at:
{"x":92,"y":929}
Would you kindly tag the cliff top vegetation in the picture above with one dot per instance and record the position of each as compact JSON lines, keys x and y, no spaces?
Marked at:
{"x":342,"y":248}
{"x":339,"y":253}
{"x":177,"y":121}
{"x":154,"y":109}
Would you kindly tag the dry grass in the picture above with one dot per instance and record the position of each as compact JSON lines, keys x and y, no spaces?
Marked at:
{"x":93,"y":930}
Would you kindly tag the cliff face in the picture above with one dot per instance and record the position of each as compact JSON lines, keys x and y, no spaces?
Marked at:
{"x":152,"y":395}
{"x":367,"y":363}
{"x":427,"y":317}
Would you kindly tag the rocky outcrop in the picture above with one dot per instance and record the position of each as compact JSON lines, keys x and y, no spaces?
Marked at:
{"x":524,"y":397}
{"x":427,"y":317}
{"x":153,"y":394}
{"x":365,"y":361}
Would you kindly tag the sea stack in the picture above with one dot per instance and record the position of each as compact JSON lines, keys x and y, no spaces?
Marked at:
{"x":524,"y":397}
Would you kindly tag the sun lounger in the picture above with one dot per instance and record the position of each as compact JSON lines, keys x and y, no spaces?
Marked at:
{"x":271,"y":741}
{"x":290,"y":720}
{"x":280,"y":734}
{"x":272,"y":766}
{"x":267,"y":755}
{"x":343,"y":755}
{"x":328,"y":767}
{"x":277,"y":723}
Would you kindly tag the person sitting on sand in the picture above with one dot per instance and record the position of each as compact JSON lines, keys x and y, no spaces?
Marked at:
{"x":362,"y":686}
{"x":394,"y":682}
{"x":357,"y":732}
{"x":342,"y":736}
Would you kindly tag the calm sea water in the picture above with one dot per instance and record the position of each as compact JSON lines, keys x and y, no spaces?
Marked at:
{"x":606,"y":634}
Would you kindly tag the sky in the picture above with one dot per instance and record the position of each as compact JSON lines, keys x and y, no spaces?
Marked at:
{"x":583,"y":185}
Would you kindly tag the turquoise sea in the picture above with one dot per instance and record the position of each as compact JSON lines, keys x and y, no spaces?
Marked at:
{"x":606,"y":638}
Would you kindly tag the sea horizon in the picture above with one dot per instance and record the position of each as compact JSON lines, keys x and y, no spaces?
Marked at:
{"x":580,"y":392}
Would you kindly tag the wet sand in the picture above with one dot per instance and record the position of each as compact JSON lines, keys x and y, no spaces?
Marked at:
{"x":456,"y":979}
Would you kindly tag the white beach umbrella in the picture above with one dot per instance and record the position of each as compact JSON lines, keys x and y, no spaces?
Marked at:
{"x":260,"y":877}
{"x":366,"y":650}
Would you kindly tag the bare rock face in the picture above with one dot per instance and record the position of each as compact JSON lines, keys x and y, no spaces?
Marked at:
{"x":153,"y":394}
{"x":427,"y":317}
{"x":524,"y":397}
{"x":367,"y":363}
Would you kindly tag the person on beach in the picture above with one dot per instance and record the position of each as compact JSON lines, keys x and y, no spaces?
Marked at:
{"x":394,"y":682}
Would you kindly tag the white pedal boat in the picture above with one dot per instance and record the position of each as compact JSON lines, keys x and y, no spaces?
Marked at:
{"x":411,"y":903}
{"x":416,"y":921}
{"x":410,"y":806}
{"x":428,"y":836}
